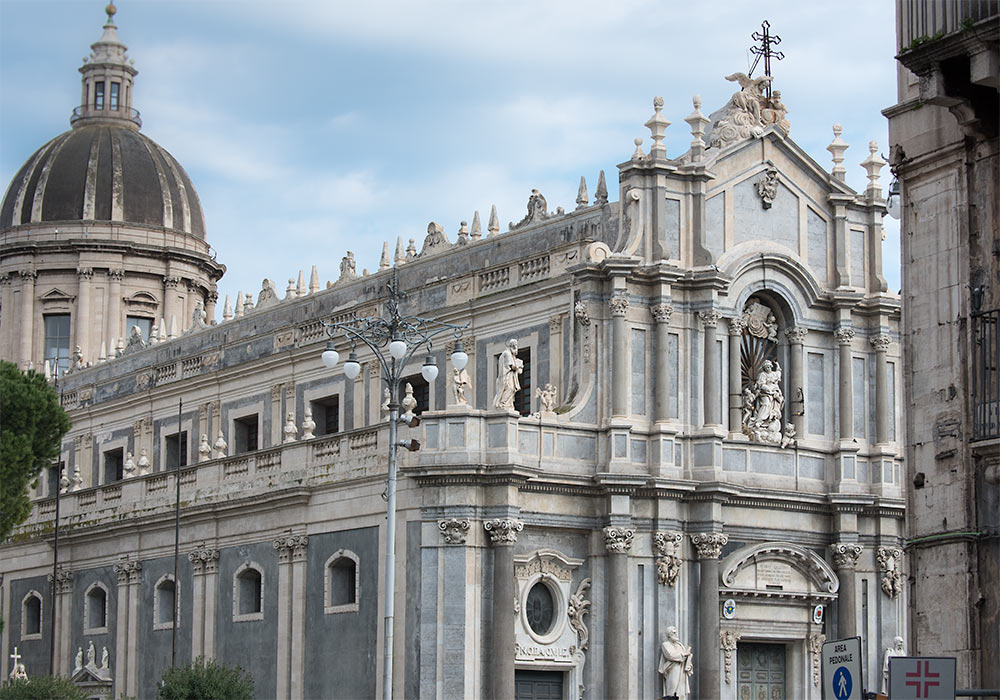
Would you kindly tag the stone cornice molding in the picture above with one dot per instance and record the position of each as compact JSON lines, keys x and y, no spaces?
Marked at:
{"x":503,"y":531}
{"x":709,"y":544}
{"x":661,"y":312}
{"x":618,"y":540}
{"x":880,"y":342}
{"x":454,"y":531}
{"x":844,"y":335}
{"x":204,"y":561}
{"x":845,"y":554}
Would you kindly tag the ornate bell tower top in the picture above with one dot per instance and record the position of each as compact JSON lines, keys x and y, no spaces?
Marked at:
{"x":107,"y":81}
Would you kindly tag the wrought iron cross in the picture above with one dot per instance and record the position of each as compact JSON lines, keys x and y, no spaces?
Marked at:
{"x":765,"y":50}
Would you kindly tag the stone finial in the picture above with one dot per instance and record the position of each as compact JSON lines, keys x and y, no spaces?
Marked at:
{"x":227,"y":310}
{"x":290,"y":289}
{"x":873,"y":165}
{"x":161,"y":334}
{"x":247,"y":303}
{"x":383,"y":263}
{"x":837,"y":148}
{"x":120,"y":343}
{"x":411,"y":251}
{"x":697,"y":121}
{"x":313,"y":280}
{"x":400,"y":256}
{"x":308,"y":424}
{"x":435,"y":241}
{"x":220,"y":445}
{"x":63,"y":482}
{"x":300,"y":285}
{"x":103,"y":356}
{"x":172,"y":333}
{"x":657,"y":125}
{"x":581,"y":194}
{"x":477,"y":228}
{"x":638,"y":154}
{"x":143,"y":463}
{"x":77,"y":479}
{"x":204,"y":449}
{"x":493,"y":227}
{"x":239,"y":305}
{"x":463,"y":232}
{"x":47,"y":371}
{"x":601,"y":195}
{"x":409,"y":402}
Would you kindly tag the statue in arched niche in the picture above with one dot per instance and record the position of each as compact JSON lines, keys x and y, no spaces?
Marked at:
{"x":763,"y":398}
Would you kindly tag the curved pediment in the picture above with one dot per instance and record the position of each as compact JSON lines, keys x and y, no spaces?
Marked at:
{"x":778,"y":565}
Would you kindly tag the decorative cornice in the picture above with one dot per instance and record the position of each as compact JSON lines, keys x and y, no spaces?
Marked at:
{"x":845,"y":554}
{"x":844,"y":335}
{"x":454,"y":530}
{"x":709,"y":544}
{"x":661,"y":312}
{"x":880,"y":342}
{"x":503,"y":531}
{"x":618,"y":540}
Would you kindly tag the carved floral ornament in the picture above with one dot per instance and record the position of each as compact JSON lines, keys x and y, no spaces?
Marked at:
{"x":710,"y":318}
{"x":816,"y":649}
{"x":453,"y":530}
{"x":128,"y":571}
{"x":618,"y":540}
{"x":844,"y":335}
{"x":204,"y":560}
{"x":503,"y":530}
{"x":881,"y":342}
{"x":668,"y":563}
{"x":547,"y":562}
{"x":727,"y":642}
{"x":291,"y":546}
{"x":890,"y":560}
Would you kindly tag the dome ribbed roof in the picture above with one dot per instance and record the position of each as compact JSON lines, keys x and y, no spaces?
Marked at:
{"x":103,"y":172}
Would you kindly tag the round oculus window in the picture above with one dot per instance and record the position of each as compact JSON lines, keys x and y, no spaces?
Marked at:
{"x":539,"y":608}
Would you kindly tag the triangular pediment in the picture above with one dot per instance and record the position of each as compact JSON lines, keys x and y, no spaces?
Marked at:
{"x":56,"y":294}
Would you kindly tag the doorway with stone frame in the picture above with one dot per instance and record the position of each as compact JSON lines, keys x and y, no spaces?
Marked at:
{"x":531,"y":684}
{"x":760,"y":671}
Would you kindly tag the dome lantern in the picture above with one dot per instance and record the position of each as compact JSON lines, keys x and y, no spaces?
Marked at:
{"x":107,"y":81}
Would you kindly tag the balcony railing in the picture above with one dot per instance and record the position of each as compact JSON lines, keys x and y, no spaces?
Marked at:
{"x":90,"y":111}
{"x":985,"y":357}
{"x":926,"y":20}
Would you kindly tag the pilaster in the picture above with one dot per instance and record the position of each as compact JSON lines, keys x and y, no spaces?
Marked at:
{"x":291,"y":614}
{"x":881,"y":344}
{"x":796,"y":338}
{"x":619,"y":355}
{"x":27,"y":331}
{"x":661,"y":315}
{"x":845,"y":336}
{"x":84,"y":314}
{"x":710,"y":320}
{"x":736,"y":328}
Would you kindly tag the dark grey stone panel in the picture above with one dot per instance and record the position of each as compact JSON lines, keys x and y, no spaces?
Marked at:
{"x":34,"y":652}
{"x":341,"y":647}
{"x":155,"y":644}
{"x":252,"y":645}
{"x":82,"y":581}
{"x":411,"y":682}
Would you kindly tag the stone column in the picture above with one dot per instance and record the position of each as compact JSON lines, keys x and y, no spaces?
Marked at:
{"x":7,"y":304}
{"x":618,"y":541}
{"x":619,"y":353}
{"x":211,"y":597}
{"x":710,"y":319}
{"x":284,"y":615}
{"x":62,"y":606}
{"x":845,"y":559}
{"x":114,"y":318}
{"x":736,"y":328}
{"x":796,"y":337}
{"x":881,"y":344}
{"x":121,"y":632}
{"x":503,"y":535}
{"x":211,"y":299}
{"x":661,"y":314}
{"x":555,"y":355}
{"x":127,"y":659}
{"x":298,"y":663}
{"x":170,"y":302}
{"x":84,"y":316}
{"x":27,"y":330}
{"x":844,"y":337}
{"x":709,"y":547}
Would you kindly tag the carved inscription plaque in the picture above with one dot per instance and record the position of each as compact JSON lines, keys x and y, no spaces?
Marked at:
{"x":773,"y":574}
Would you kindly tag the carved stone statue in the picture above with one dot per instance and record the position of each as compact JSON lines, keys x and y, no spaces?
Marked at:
{"x":385,"y":401}
{"x":104,"y":658}
{"x":760,"y":321}
{"x":459,"y":384}
{"x":347,"y":269}
{"x":198,"y":316}
{"x":268,"y":294}
{"x":508,"y":370}
{"x":204,"y":449}
{"x":767,"y":187}
{"x":129,"y":467}
{"x":897,"y":649}
{"x":676,"y":665}
{"x":91,"y":655}
{"x":774,"y":112}
{"x":742,"y":119}
{"x":76,"y":361}
{"x":546,"y":398}
{"x":308,"y":424}
{"x":290,"y":431}
{"x":143,"y":463}
{"x":18,"y":673}
{"x":767,"y":400}
{"x":135,"y":341}
{"x":538,"y":210}
{"x":79,"y":659}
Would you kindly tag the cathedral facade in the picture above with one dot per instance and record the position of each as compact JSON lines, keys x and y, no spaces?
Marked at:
{"x":683,"y":475}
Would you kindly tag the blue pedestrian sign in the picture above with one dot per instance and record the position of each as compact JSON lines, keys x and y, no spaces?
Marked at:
{"x":842,"y":670}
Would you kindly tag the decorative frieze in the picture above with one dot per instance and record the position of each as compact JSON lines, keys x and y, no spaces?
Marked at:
{"x":668,"y":564}
{"x":204,"y":561}
{"x":727,"y":642}
{"x":709,"y":544}
{"x":890,"y":561}
{"x":618,"y":304}
{"x":844,"y":335}
{"x":618,"y":540}
{"x":880,"y":342}
{"x":503,"y":531}
{"x":661,"y":312}
{"x":845,"y":554}
{"x":454,"y":531}
{"x":291,"y":548}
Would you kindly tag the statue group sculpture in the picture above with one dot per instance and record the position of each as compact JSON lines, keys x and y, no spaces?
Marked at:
{"x":763,"y":403}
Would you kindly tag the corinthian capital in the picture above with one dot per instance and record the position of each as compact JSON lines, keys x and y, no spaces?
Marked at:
{"x":503,"y":531}
{"x":203,"y":561}
{"x":618,"y":540}
{"x":661,"y":312}
{"x":845,"y":554}
{"x":618,"y":304}
{"x":737,"y":326}
{"x":796,"y":335}
{"x":710,"y":318}
{"x":709,"y":544}
{"x":880,"y":342}
{"x":291,"y":548}
{"x":844,"y":335}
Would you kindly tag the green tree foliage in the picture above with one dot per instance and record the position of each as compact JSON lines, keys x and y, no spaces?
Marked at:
{"x":42,"y":688}
{"x":206,"y":680}
{"x":31,"y":425}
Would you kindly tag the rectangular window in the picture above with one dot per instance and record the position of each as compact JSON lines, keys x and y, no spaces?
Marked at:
{"x":421,"y":392}
{"x":246,"y":434}
{"x":53,"y":479}
{"x":113,"y":99}
{"x":326,"y":415}
{"x":114,"y":461}
{"x":99,"y":95}
{"x":57,"y":330}
{"x":522,"y":398}
{"x":173,"y":450}
{"x":145,"y":326}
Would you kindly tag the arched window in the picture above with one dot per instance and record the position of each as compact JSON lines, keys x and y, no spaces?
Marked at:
{"x":165,"y":603}
{"x":31,"y":616}
{"x":341,"y":585}
{"x":248,"y":593}
{"x":95,"y":613}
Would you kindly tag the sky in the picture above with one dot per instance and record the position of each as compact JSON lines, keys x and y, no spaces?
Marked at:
{"x":313,"y":128}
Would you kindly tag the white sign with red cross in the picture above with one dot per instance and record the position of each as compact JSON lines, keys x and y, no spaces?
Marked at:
{"x":921,"y":678}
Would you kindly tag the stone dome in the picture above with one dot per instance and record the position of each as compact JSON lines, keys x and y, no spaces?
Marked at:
{"x":103,"y":171}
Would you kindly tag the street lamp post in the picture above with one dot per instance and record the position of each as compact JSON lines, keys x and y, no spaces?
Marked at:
{"x":402,"y":336}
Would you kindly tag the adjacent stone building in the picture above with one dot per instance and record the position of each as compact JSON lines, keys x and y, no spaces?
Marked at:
{"x":944,"y":153}
{"x":707,"y":435}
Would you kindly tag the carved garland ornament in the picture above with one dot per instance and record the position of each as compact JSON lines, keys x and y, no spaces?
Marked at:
{"x":618,"y":540}
{"x":816,"y":649}
{"x":889,"y":563}
{"x":728,"y":640}
{"x":668,"y":564}
{"x":454,"y":530}
{"x":503,"y":530}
